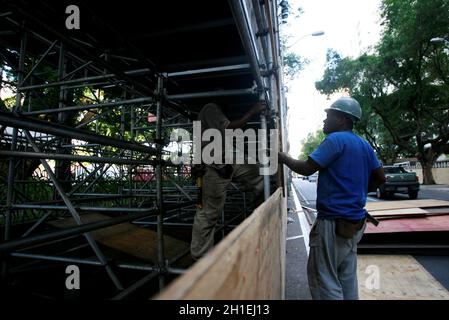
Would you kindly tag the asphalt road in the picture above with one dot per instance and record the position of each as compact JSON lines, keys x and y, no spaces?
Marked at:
{"x":307,"y":193}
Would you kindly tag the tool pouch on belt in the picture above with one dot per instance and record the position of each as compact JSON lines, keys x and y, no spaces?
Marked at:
{"x":348,"y":228}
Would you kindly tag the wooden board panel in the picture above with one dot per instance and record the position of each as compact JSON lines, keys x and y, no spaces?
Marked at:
{"x":398,"y":212}
{"x":401,"y":277}
{"x":401,"y":217}
{"x":128,"y":238}
{"x":429,"y":223}
{"x":404,"y":204}
{"x":409,"y":213}
{"x":432,"y":211}
{"x":247,"y":264}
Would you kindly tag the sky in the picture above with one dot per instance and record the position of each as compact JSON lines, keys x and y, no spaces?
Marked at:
{"x":350,"y":27}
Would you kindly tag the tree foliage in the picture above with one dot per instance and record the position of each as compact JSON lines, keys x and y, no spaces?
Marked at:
{"x":310,"y":143}
{"x":404,"y":86}
{"x":293,"y":64}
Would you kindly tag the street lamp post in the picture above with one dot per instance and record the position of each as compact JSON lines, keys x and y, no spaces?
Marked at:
{"x":439,"y":40}
{"x":313,"y":34}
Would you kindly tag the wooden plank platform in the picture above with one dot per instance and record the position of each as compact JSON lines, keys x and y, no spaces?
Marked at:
{"x":428,"y":223}
{"x":404,"y":204}
{"x":401,"y":278}
{"x":399,"y":212}
{"x":128,"y":238}
{"x":248,"y":264}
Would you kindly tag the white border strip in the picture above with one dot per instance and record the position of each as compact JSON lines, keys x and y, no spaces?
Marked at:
{"x":302,"y":195}
{"x":295,"y":237}
{"x":305,"y":227}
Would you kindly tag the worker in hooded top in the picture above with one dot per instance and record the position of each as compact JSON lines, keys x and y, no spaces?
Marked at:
{"x":348,"y":169}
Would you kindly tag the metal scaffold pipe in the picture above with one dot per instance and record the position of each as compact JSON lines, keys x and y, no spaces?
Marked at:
{"x":209,"y":94}
{"x":240,"y":18}
{"x":123,"y":176}
{"x":82,"y":208}
{"x":159,"y":199}
{"x":266,"y":177}
{"x":91,"y":262}
{"x":58,"y":156}
{"x":208,"y":70}
{"x":82,"y":80}
{"x":11,"y":167}
{"x":22,"y":122}
{"x":22,"y":243}
{"x":56,"y":183}
{"x":91,"y":106}
{"x":73,"y":44}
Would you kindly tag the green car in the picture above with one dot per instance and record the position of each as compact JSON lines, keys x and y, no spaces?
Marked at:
{"x":398,"y":181}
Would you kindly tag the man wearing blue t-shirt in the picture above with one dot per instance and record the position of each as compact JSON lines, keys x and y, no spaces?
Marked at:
{"x":348,"y":170}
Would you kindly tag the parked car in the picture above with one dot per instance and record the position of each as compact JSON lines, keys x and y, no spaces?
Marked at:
{"x":399,"y":181}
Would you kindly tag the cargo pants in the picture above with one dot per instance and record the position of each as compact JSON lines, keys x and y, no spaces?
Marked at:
{"x":332,"y":265}
{"x":214,"y":196}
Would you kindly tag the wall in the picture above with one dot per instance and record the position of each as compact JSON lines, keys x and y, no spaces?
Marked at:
{"x":441,"y":175}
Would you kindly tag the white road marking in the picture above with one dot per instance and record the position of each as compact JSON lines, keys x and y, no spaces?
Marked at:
{"x":305,"y":227}
{"x":295,"y":237}
{"x":302,"y":196}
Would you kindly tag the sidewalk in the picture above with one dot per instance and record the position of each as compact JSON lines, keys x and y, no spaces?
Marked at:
{"x":296,"y":286}
{"x":438,"y":187}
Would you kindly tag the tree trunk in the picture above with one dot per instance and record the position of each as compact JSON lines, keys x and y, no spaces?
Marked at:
{"x":427,"y":158}
{"x":427,"y":173}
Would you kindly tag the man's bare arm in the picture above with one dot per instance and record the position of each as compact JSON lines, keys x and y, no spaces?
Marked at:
{"x":256,"y":109}
{"x":376,"y":179}
{"x":305,"y":168}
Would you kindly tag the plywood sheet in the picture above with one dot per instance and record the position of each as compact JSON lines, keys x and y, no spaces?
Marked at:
{"x":128,"y":238}
{"x":401,"y":217}
{"x":428,"y":223}
{"x":435,"y":211}
{"x":404,"y":204}
{"x":247,"y":264}
{"x":401,"y":277}
{"x":399,"y":212}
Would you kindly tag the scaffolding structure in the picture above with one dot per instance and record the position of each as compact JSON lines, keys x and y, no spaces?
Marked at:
{"x":103,"y":145}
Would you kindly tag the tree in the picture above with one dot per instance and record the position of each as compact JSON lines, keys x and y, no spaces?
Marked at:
{"x":310,"y":143}
{"x":293,"y":64}
{"x":372,"y":129}
{"x":403,"y":86}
